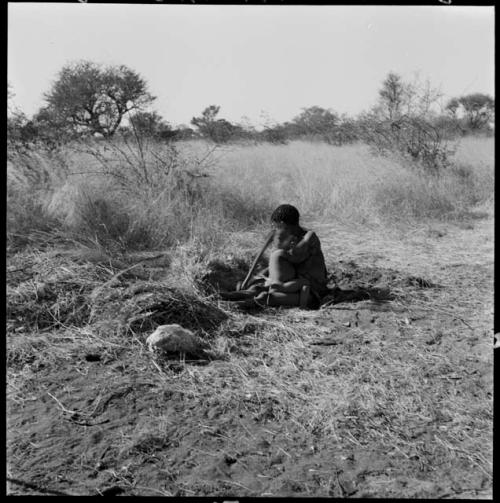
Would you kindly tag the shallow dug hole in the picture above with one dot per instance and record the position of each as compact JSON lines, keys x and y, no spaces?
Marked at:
{"x":223,"y":276}
{"x":347,"y":281}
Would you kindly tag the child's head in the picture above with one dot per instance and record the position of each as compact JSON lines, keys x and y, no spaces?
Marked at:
{"x":285,"y":221}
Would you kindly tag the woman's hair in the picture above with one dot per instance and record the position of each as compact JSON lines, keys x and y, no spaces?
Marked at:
{"x":286,"y":214}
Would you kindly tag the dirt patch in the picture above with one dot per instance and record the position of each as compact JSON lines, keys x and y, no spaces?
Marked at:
{"x":350,"y":282}
{"x":349,"y":275}
{"x":364,"y":398}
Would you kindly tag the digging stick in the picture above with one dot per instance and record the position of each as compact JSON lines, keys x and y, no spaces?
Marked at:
{"x":267,"y":242}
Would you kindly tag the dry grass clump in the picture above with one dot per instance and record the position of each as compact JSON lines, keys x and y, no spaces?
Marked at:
{"x":31,"y":178}
{"x":26,"y":215}
{"x":30,"y":352}
{"x":47,"y":305}
{"x":48,"y":290}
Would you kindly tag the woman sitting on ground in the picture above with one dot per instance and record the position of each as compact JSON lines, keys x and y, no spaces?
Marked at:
{"x":297,"y":272}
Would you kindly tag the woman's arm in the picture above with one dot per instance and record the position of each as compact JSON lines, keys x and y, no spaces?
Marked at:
{"x":302,"y":249}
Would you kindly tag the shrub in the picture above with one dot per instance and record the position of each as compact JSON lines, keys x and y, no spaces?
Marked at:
{"x":414,"y":138}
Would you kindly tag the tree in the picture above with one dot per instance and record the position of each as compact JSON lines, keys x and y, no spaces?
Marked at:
{"x":317,"y":121}
{"x":391,"y":96}
{"x":151,"y":124}
{"x":183,"y":132}
{"x":404,"y":122}
{"x":218,"y":130}
{"x":347,"y":131}
{"x":420,"y":99}
{"x":452,"y":107}
{"x":478,"y":109}
{"x":11,"y":107}
{"x":16,"y":119}
{"x":89,"y":98}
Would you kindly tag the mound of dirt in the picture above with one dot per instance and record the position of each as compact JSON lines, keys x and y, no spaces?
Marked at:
{"x":52,"y":291}
{"x":143,"y":306}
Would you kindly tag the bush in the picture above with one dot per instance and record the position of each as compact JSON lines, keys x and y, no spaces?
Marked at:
{"x":414,"y":138}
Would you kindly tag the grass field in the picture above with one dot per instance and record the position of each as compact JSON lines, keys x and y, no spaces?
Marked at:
{"x":360,"y":398}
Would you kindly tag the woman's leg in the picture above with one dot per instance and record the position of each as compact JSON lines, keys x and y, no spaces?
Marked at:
{"x":249,"y":293}
{"x":275,"y":299}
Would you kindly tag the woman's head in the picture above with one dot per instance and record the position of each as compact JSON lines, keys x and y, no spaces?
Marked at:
{"x":285,"y":222}
{"x":285,"y":214}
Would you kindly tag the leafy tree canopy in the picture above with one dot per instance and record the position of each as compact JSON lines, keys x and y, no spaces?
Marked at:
{"x":151,"y":124}
{"x":316,"y":120}
{"x":90,"y":98}
{"x":478,"y":109}
{"x":218,"y":130}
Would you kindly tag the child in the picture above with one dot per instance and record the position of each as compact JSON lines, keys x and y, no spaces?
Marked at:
{"x":297,"y":271}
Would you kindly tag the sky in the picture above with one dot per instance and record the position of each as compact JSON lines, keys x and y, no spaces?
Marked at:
{"x":263,"y":63}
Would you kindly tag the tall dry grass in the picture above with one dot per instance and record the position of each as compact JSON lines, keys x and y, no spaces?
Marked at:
{"x":130,"y":194}
{"x":350,"y":184}
{"x":123,"y":195}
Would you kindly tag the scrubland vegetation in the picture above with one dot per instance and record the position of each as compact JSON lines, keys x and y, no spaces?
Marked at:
{"x":113,"y":193}
{"x":109,"y":237}
{"x":107,"y":241}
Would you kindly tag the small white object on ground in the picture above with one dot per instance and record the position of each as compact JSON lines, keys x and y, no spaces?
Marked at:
{"x":174,"y":339}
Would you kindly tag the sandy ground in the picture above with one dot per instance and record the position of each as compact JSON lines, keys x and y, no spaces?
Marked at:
{"x":358,"y":399}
